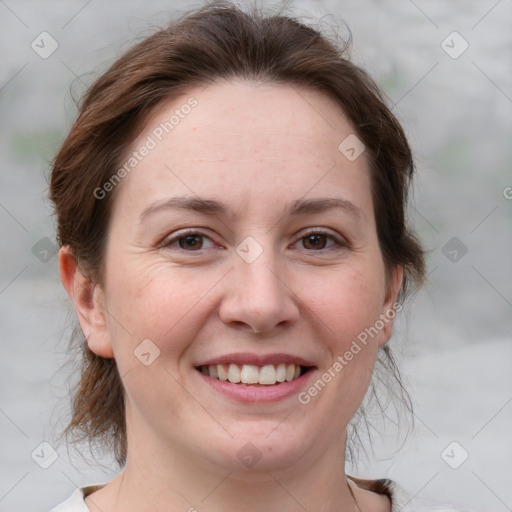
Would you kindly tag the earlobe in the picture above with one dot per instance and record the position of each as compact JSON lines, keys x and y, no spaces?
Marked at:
{"x":88,"y":300}
{"x":390,"y":309}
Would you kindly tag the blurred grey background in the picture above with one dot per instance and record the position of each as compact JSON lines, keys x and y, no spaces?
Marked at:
{"x":446,"y":68}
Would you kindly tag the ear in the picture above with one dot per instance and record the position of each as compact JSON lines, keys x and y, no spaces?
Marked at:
{"x":88,"y":299}
{"x":390,"y":306}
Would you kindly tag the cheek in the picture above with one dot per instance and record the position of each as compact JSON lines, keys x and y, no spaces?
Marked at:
{"x":157,"y":312}
{"x":162,"y":304}
{"x":347,"y":307}
{"x":346,"y":301}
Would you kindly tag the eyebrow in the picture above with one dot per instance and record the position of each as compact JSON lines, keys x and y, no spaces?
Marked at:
{"x":216,"y":208}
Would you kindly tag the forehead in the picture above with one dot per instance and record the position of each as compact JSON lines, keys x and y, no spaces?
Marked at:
{"x":244,"y":138}
{"x":282,"y":115}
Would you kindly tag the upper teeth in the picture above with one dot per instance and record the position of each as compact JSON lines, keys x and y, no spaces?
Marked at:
{"x":252,"y":374}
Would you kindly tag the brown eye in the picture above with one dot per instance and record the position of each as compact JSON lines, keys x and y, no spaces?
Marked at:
{"x":189,"y":241}
{"x":315,"y":241}
{"x":193,"y":242}
{"x":322,"y":242}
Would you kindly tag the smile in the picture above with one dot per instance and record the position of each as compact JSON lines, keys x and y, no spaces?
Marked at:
{"x":266,"y":375}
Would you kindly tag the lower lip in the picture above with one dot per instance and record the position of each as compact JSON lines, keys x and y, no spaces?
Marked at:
{"x":258,"y":393}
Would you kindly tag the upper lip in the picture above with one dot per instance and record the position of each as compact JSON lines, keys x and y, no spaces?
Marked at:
{"x":241,"y":358}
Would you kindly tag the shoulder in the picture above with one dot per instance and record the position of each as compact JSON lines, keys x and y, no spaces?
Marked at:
{"x":76,"y":502}
{"x":401,"y":501}
{"x":404,"y":502}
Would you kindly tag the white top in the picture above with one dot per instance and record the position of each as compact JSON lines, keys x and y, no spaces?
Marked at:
{"x":400,"y":501}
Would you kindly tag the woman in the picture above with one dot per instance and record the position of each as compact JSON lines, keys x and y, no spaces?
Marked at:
{"x":230,"y":206}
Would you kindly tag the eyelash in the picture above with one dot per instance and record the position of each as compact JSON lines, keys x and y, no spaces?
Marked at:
{"x":339,"y":242}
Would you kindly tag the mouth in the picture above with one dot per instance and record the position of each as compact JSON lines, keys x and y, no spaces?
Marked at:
{"x":255,"y":375}
{"x":251,"y":378}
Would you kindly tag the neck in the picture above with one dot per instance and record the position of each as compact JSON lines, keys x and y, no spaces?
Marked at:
{"x":169,"y":479}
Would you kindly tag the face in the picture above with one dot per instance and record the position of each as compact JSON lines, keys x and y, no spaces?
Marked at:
{"x":244,"y":238}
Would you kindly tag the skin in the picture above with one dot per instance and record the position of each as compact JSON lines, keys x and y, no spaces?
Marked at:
{"x":256,"y":148}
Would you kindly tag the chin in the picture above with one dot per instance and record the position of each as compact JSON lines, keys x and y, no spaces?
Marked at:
{"x":260,"y":449}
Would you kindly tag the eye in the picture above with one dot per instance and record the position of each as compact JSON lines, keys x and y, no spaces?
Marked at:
{"x":189,"y":241}
{"x":319,"y":240}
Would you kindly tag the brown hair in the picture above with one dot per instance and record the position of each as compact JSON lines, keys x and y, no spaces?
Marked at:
{"x":214,"y":43}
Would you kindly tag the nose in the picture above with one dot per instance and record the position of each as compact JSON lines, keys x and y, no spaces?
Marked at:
{"x":258,"y":296}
